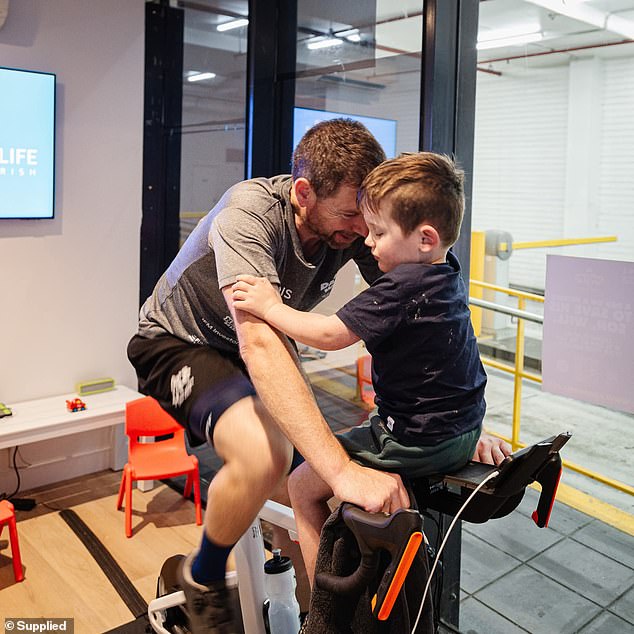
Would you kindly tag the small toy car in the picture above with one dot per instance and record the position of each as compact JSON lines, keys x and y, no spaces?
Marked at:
{"x":4,"y":410}
{"x":76,"y":405}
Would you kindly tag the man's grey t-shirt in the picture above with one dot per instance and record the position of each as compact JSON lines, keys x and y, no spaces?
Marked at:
{"x":251,"y":230}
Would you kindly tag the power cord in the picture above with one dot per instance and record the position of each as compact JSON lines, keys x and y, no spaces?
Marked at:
{"x":22,"y":504}
{"x":492,"y":475}
{"x":6,"y":496}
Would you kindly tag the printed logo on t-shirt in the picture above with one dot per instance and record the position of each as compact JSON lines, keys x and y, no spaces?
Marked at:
{"x":286,"y":293}
{"x":326,"y":287}
{"x":228,"y":321}
{"x":181,"y":385}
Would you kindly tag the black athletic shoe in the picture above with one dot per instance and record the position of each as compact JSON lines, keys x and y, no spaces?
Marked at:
{"x":207,"y":606}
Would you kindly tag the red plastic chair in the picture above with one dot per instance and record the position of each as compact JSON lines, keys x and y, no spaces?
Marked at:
{"x":7,"y":516}
{"x":365,"y":389}
{"x":163,"y":458}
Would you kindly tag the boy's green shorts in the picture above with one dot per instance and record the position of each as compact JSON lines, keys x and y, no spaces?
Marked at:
{"x":373,"y":445}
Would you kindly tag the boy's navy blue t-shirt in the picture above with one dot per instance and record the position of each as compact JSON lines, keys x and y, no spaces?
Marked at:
{"x":426,"y":368}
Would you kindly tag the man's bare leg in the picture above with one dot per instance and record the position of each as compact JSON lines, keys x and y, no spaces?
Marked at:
{"x":256,"y":458}
{"x":309,"y":497}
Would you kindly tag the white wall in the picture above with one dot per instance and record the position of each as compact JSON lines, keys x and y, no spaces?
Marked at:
{"x":69,"y":286}
{"x":553,"y":159}
{"x":519,"y":165}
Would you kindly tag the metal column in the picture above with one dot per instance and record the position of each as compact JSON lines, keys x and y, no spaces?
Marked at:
{"x":270,"y":87}
{"x":161,"y":142}
{"x":447,"y":126}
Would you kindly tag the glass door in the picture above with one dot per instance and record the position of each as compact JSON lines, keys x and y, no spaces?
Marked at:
{"x":361,"y":60}
{"x":213,"y":111}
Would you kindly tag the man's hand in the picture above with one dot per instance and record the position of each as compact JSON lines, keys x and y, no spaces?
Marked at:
{"x":491,"y":450}
{"x":254,"y":295}
{"x":374,"y":491}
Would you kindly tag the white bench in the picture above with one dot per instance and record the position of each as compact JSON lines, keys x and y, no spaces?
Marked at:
{"x":48,"y":418}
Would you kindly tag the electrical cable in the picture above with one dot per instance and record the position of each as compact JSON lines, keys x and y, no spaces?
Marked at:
{"x":492,"y":475}
{"x":25,"y":462}
{"x":5,"y":496}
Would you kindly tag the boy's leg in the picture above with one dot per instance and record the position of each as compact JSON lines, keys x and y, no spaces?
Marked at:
{"x":290,"y":548}
{"x":309,"y":497}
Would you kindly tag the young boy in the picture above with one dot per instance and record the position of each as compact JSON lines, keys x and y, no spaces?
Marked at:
{"x":415,"y":322}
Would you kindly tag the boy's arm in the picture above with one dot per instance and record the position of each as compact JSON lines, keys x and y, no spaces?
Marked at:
{"x":257,"y":296}
{"x":273,"y":369}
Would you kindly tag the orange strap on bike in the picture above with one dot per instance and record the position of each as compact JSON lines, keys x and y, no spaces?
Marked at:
{"x":400,"y":574}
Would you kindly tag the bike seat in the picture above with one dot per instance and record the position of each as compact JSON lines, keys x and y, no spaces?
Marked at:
{"x":540,"y":463}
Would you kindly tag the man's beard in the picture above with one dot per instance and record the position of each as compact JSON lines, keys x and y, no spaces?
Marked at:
{"x":334,"y":239}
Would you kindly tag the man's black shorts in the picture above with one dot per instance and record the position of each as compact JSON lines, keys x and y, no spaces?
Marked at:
{"x":195,"y":384}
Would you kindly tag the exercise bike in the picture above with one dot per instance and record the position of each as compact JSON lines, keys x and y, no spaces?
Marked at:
{"x":476,"y":493}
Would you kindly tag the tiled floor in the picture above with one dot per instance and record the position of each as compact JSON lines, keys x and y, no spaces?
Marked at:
{"x":575,"y":576}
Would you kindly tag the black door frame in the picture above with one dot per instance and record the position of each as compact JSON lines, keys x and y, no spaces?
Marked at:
{"x":271,"y":54}
{"x":448,"y":88}
{"x":447,"y":125}
{"x":162,"y":115}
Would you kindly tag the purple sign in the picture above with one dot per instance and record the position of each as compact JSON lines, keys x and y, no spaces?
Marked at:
{"x":588,"y":347}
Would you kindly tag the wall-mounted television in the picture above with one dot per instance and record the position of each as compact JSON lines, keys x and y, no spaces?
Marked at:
{"x":27,"y":144}
{"x":384,"y":130}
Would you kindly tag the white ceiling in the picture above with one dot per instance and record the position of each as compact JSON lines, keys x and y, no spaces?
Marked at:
{"x":399,"y":23}
{"x":561,"y":34}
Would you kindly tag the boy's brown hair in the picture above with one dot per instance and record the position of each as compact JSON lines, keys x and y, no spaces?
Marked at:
{"x":334,"y":153}
{"x":420,"y":187}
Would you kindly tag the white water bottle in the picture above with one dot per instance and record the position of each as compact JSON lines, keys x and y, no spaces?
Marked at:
{"x":282,"y":612}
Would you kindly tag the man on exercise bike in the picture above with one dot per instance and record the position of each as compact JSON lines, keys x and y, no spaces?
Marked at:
{"x":232,"y":380}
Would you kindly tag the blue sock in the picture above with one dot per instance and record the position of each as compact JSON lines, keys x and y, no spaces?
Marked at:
{"x":210,"y":563}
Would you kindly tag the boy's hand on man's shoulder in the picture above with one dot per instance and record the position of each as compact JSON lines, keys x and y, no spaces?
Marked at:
{"x":255,"y":295}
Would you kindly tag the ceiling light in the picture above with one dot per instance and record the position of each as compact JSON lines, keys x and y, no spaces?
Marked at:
{"x":195,"y":76}
{"x":511,"y":40}
{"x":233,"y":24}
{"x":316,"y":43}
{"x":352,"y":35}
{"x":508,"y":31}
{"x":355,"y":83}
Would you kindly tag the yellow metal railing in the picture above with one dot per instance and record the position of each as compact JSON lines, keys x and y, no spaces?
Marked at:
{"x":478,"y":252}
{"x":563,"y":242}
{"x":518,"y":372}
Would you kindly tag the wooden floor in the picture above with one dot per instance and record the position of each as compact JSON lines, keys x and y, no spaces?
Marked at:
{"x":61,"y":577}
